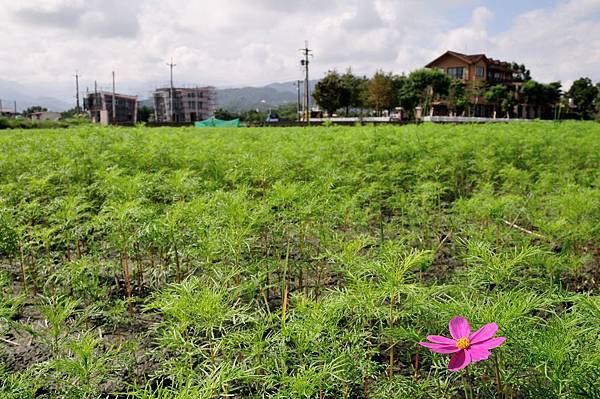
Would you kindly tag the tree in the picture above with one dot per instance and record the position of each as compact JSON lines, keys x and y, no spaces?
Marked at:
{"x":474,"y":92}
{"x":553,"y":96}
{"x":362,"y":93}
{"x":352,"y":95}
{"x":520,"y":73}
{"x":429,"y":83}
{"x":496,"y":95}
{"x":225,"y":114}
{"x":287,"y":112}
{"x":534,"y":93}
{"x":430,"y":80}
{"x":144,"y":114}
{"x":253,"y":116}
{"x":457,"y":100}
{"x":70,"y":113}
{"x":381,"y":91}
{"x":507,"y":104}
{"x":329,"y":92}
{"x":583,"y":94}
{"x":553,"y":92}
{"x":408,"y":97}
{"x":31,"y":110}
{"x":542,"y":96}
{"x":597,"y":102}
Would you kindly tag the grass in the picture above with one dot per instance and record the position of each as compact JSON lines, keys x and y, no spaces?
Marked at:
{"x":293,"y":262}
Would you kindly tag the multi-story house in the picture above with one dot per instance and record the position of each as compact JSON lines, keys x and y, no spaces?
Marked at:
{"x":100,"y":106}
{"x":476,"y":71}
{"x":184,"y":105}
{"x":473,"y":67}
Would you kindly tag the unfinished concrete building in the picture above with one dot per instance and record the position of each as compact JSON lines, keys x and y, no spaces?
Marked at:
{"x":186,"y":105}
{"x":100,"y":106}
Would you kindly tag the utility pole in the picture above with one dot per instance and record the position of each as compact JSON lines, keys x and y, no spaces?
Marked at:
{"x":15,"y":110}
{"x":77,"y":76}
{"x":298,"y":82}
{"x":171,"y":65}
{"x":114,"y":102}
{"x":94,"y":106}
{"x":304,"y":62}
{"x":196,"y":102}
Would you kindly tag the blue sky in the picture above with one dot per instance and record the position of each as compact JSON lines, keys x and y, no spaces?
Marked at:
{"x":506,"y":11}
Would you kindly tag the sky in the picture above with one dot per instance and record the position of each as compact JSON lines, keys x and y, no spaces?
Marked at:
{"x":234,"y":43}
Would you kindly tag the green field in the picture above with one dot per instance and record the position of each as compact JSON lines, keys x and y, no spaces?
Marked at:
{"x":298,"y":262}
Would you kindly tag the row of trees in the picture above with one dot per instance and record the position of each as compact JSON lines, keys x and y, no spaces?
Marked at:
{"x":385,"y":91}
{"x":284,"y":112}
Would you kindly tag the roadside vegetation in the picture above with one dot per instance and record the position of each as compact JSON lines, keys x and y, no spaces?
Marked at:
{"x":24,"y":123}
{"x":298,"y":262}
{"x":351,"y":95}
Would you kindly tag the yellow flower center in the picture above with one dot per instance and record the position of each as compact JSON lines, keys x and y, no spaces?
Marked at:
{"x":463,"y":343}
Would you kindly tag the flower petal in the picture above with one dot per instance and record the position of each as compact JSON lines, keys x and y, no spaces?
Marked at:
{"x":489,"y":344}
{"x":459,"y":360}
{"x":440,"y":348}
{"x":438,"y":339}
{"x":459,"y":327}
{"x":479,"y":354}
{"x":484,"y":333}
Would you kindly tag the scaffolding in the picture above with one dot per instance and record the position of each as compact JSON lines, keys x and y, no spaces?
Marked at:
{"x":189,"y":104}
{"x":99,"y":105}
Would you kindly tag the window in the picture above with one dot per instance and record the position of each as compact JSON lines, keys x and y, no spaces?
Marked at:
{"x":479,"y":72}
{"x":456,"y":72}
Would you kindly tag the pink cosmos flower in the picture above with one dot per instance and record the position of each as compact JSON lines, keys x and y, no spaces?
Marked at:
{"x":466,"y":347}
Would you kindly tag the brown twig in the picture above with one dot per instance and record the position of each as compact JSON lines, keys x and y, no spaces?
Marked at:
{"x":524,"y":230}
{"x":9,"y":342}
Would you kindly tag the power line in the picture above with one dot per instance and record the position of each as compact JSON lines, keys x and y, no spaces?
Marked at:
{"x":304,"y":62}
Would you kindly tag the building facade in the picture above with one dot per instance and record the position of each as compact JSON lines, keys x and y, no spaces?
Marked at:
{"x":44,"y":116}
{"x":100,"y":107}
{"x":184,"y":105}
{"x":7,"y":112}
{"x":477,"y":72}
{"x":473,"y":67}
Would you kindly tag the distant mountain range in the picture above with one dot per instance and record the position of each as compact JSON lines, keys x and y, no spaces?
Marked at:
{"x":12,"y":91}
{"x":231,"y":99}
{"x":262,"y":98}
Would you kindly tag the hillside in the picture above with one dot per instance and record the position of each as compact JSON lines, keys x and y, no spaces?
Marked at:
{"x":247,"y":98}
{"x":12,"y":91}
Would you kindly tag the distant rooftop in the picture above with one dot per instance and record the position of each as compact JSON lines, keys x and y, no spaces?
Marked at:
{"x":185,"y":88}
{"x":471,"y":58}
{"x":109,"y":93}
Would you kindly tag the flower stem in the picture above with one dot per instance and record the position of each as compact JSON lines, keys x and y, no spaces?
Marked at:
{"x":497,"y":372}
{"x":467,"y":385}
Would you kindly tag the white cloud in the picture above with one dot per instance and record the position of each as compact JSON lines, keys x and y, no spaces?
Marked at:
{"x":253,"y":42}
{"x":560,"y":43}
